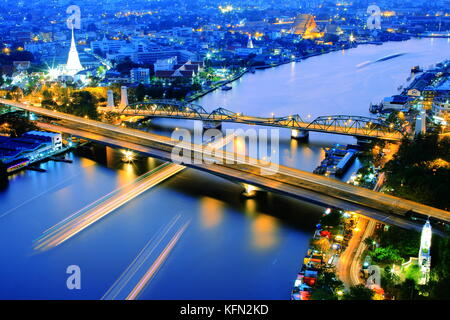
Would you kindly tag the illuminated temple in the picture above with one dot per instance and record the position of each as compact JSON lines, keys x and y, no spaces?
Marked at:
{"x":73,"y":65}
{"x":306,"y":26}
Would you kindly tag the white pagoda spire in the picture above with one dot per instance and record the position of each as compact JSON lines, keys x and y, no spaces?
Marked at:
{"x":424,"y":253}
{"x":73,"y":65}
{"x":250,"y":42}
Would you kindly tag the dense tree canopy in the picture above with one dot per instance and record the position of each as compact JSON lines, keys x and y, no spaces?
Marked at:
{"x":15,"y":125}
{"x":420,"y":171}
{"x":359,"y":292}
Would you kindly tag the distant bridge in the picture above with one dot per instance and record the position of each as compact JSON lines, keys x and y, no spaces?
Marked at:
{"x":357,"y":126}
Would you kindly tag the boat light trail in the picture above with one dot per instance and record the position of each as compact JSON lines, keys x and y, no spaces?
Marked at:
{"x":102,"y":207}
{"x":98,"y":209}
{"x":143,"y":282}
{"x":139,"y":261}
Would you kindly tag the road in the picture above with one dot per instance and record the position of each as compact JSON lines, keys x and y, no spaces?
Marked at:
{"x":350,"y":261}
{"x":292,"y":182}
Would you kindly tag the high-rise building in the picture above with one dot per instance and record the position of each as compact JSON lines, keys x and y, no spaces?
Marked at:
{"x":421,"y":123}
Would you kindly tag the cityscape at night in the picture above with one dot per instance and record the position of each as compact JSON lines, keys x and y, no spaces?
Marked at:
{"x":225,"y":150}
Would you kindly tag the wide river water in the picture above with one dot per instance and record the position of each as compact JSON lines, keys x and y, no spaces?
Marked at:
{"x":232,"y":248}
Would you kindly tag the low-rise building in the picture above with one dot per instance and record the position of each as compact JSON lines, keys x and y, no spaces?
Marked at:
{"x":140,"y":75}
{"x":186,"y":70}
{"x":166,"y":64}
{"x":397,"y":102}
{"x":16,"y":153}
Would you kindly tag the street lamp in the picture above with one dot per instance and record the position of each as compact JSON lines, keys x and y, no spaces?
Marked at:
{"x":128,"y":155}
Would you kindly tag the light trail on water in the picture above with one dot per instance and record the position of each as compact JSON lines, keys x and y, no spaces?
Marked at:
{"x":100,"y":208}
{"x":138,"y":271}
{"x":143,"y":282}
{"x":97,"y":210}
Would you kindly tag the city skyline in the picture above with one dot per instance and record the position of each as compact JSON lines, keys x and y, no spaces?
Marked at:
{"x":225,"y":150}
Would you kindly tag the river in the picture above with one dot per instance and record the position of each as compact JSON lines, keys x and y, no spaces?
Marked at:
{"x":233,"y":248}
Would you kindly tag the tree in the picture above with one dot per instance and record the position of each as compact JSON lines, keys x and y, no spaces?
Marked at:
{"x":441,"y":289}
{"x":407,"y":290}
{"x":407,"y":242}
{"x":390,"y":281}
{"x":84,"y":104}
{"x":440,"y":249}
{"x":420,"y":170}
{"x":327,"y":285}
{"x":359,"y":292}
{"x":332,"y":219}
{"x":323,"y":294}
{"x":413,"y":272}
{"x":331,"y":37}
{"x":16,"y":125}
{"x":322,"y":244}
{"x":140,"y":92}
{"x":126,"y":65}
{"x":386,"y":255}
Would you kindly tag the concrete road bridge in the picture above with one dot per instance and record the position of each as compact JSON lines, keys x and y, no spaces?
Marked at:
{"x":288,"y":181}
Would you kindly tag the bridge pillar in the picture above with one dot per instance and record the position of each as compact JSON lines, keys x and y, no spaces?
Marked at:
{"x":300,"y":134}
{"x":249,"y":190}
{"x":110,"y":103}
{"x":123,"y":97}
{"x":209,"y":124}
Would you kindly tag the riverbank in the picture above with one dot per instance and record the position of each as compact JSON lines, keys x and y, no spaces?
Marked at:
{"x":249,"y":69}
{"x":216,"y":86}
{"x":317,"y":279}
{"x":275,"y":65}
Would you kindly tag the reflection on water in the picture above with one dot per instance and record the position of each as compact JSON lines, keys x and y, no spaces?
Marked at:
{"x":211,"y":212}
{"x":250,"y":207}
{"x":264,"y":231}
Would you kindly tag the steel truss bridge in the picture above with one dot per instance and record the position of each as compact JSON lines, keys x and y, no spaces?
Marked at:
{"x":360,"y":127}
